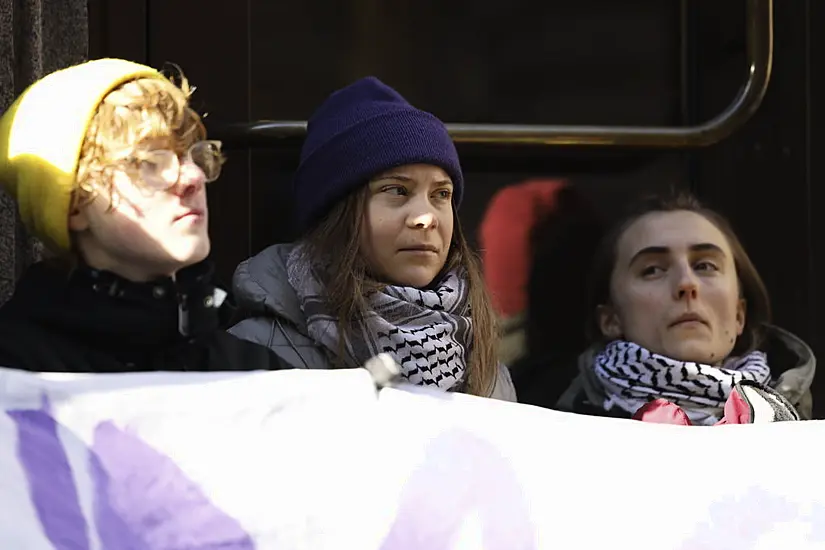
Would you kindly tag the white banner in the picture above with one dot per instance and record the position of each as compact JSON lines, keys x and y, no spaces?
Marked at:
{"x":319,"y":459}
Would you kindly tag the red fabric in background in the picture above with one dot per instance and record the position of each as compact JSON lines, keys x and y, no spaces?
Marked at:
{"x":504,"y":236}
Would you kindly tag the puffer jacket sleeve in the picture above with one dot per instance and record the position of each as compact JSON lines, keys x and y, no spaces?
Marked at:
{"x":290,"y":345}
{"x":255,"y":329}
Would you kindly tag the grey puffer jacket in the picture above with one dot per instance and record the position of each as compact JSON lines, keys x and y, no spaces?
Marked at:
{"x":791,"y":360}
{"x":275,"y":319}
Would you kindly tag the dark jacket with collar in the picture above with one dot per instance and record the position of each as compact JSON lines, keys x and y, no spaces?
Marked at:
{"x":94,"y":321}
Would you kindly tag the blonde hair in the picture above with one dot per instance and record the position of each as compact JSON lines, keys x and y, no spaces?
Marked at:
{"x":136,"y":111}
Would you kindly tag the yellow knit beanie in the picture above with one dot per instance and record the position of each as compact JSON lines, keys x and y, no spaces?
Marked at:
{"x":41,"y":135}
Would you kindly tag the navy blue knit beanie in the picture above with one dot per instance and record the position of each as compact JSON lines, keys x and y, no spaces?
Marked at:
{"x":359,"y":132}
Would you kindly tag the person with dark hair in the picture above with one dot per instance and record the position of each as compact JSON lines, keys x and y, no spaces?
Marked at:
{"x":383,"y":265}
{"x":679,"y":312}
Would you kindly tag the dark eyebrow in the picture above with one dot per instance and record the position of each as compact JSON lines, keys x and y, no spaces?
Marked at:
{"x":397,"y":177}
{"x":662,"y":250}
{"x":406,"y":179}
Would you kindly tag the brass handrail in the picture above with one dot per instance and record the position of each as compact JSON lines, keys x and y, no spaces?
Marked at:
{"x":759,"y":22}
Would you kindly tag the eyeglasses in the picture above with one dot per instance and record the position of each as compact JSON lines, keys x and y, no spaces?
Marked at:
{"x":160,"y":168}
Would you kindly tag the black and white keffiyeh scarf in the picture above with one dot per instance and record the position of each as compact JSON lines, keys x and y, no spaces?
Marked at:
{"x":631,"y":376}
{"x":427,"y":332}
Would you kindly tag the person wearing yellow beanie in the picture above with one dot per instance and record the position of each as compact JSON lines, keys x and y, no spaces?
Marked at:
{"x":108,"y":165}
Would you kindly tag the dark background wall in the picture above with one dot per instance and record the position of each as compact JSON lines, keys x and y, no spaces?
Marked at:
{"x":650,"y":62}
{"x":36,"y":38}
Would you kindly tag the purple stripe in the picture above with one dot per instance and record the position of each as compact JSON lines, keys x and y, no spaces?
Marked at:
{"x":50,"y":479}
{"x":145,"y":498}
{"x":142,"y":500}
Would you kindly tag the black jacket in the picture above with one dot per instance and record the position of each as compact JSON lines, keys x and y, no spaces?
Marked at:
{"x":96,"y":321}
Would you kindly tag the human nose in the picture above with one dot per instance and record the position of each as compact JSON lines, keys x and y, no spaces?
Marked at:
{"x":686,"y":287}
{"x":422,"y":215}
{"x":190,"y":180}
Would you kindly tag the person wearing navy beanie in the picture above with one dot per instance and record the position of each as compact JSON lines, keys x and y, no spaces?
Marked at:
{"x":382,"y":265}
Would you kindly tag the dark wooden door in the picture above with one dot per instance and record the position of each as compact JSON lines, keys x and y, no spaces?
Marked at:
{"x":602,"y":62}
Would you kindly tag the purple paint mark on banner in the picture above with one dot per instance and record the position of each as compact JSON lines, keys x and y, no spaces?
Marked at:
{"x":469,"y":476}
{"x":773,"y":511}
{"x":155,"y":500}
{"x":113,"y":530}
{"x":50,"y":479}
{"x":142,"y":499}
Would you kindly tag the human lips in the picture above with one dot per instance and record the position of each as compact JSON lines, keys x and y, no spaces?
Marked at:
{"x":191,"y":213}
{"x":689,"y":317}
{"x":420,"y":248}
